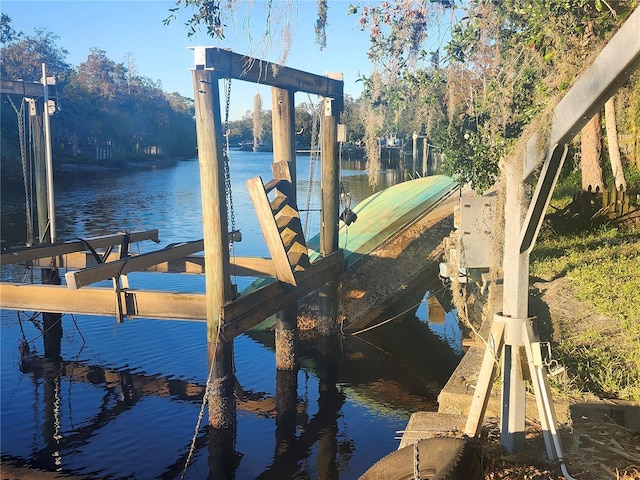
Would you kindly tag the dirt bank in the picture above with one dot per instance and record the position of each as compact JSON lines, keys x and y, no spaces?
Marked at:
{"x":374,"y":284}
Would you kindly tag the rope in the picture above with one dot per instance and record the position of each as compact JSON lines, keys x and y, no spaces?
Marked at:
{"x":395,"y":317}
{"x":205,"y":400}
{"x":391,"y":319}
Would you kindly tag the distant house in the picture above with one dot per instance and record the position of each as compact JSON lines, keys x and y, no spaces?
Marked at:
{"x":153,"y":150}
{"x":90,"y":151}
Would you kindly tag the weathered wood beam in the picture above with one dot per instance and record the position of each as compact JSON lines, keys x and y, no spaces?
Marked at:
{"x":233,"y":65}
{"x":101,"y":301}
{"x":26,"y":89}
{"x":25,"y":254}
{"x":246,"y":312}
{"x":193,"y":264}
{"x":87,"y":276}
{"x":238,"y":266}
{"x":270,"y":232}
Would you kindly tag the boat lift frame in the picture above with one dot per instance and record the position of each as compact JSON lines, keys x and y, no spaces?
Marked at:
{"x":513,"y":330}
{"x":227,"y":314}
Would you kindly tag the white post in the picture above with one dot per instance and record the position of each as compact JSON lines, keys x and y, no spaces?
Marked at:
{"x":48,"y":158}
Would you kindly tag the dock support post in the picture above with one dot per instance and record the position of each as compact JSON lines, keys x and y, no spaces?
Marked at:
{"x":283,"y":115}
{"x":39,"y":118}
{"x":415,"y":153}
{"x":425,"y":157}
{"x":515,"y":308}
{"x":286,"y":409}
{"x":222,"y":407}
{"x":328,"y":318}
{"x":330,"y":400}
{"x":284,"y":149}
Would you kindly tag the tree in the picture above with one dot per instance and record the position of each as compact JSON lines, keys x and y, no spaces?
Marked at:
{"x":612,"y":142}
{"x":100,"y":76}
{"x":23,"y":57}
{"x":7,"y":33}
{"x":590,"y":149}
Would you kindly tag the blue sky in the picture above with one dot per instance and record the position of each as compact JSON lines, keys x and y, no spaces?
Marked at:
{"x":161,"y":52}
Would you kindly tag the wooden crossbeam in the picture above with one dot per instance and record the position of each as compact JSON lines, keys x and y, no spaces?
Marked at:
{"x":26,"y":254}
{"x":87,"y":276}
{"x":101,"y":301}
{"x":233,"y":65}
{"x":193,"y":264}
{"x":26,"y":89}
{"x":239,"y":266}
{"x":246,"y":312}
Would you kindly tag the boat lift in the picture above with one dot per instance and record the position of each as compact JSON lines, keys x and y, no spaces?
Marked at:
{"x":227,"y":313}
{"x":513,"y":331}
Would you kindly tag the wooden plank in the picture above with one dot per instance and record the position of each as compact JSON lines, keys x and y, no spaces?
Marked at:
{"x":246,"y":312}
{"x":239,"y":266}
{"x":101,"y":301}
{"x":233,"y":65}
{"x":485,"y":379}
{"x":87,"y":276}
{"x":193,"y":264}
{"x":25,"y":254}
{"x":270,"y":231}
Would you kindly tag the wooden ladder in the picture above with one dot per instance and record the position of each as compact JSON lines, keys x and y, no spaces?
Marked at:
{"x":279,"y":219}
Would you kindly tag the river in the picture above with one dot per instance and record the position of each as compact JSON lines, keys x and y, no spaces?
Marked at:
{"x":125,"y":399}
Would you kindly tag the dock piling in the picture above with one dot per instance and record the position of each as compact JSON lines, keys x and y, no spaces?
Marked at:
{"x":328,"y":319}
{"x":222,"y":409}
{"x":284,"y":150}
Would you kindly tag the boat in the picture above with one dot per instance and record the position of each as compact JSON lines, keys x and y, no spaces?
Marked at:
{"x":375,"y":220}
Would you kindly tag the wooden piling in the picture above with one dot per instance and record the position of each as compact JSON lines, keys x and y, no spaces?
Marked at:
{"x":283,"y":114}
{"x":414,"y":152}
{"x":222,"y":408}
{"x":425,"y":156}
{"x":284,"y":149}
{"x":328,"y":321}
{"x":40,"y":172}
{"x":286,"y":410}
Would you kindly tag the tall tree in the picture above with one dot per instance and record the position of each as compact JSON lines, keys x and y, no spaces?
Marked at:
{"x":23,"y":57}
{"x":590,"y":150}
{"x":613,"y":145}
{"x":98,"y":75}
{"x":7,"y":33}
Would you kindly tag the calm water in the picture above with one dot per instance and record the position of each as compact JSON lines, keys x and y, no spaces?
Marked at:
{"x":125,"y":399}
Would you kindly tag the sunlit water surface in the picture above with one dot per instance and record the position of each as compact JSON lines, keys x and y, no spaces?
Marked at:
{"x":125,"y":399}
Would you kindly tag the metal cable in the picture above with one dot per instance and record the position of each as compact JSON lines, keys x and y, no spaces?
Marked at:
{"x":25,"y":170}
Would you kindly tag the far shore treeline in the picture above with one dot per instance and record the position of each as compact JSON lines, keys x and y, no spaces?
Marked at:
{"x":107,"y":114}
{"x":110,"y":115}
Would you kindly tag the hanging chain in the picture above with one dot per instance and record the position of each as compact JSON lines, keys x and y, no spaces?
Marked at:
{"x":416,"y":462}
{"x":225,"y":155}
{"x":313,"y":157}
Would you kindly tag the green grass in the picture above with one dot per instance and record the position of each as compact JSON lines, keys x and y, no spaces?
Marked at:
{"x":603,"y":267}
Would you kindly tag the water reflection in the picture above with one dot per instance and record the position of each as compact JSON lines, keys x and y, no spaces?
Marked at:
{"x":399,"y":367}
{"x":121,"y":400}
